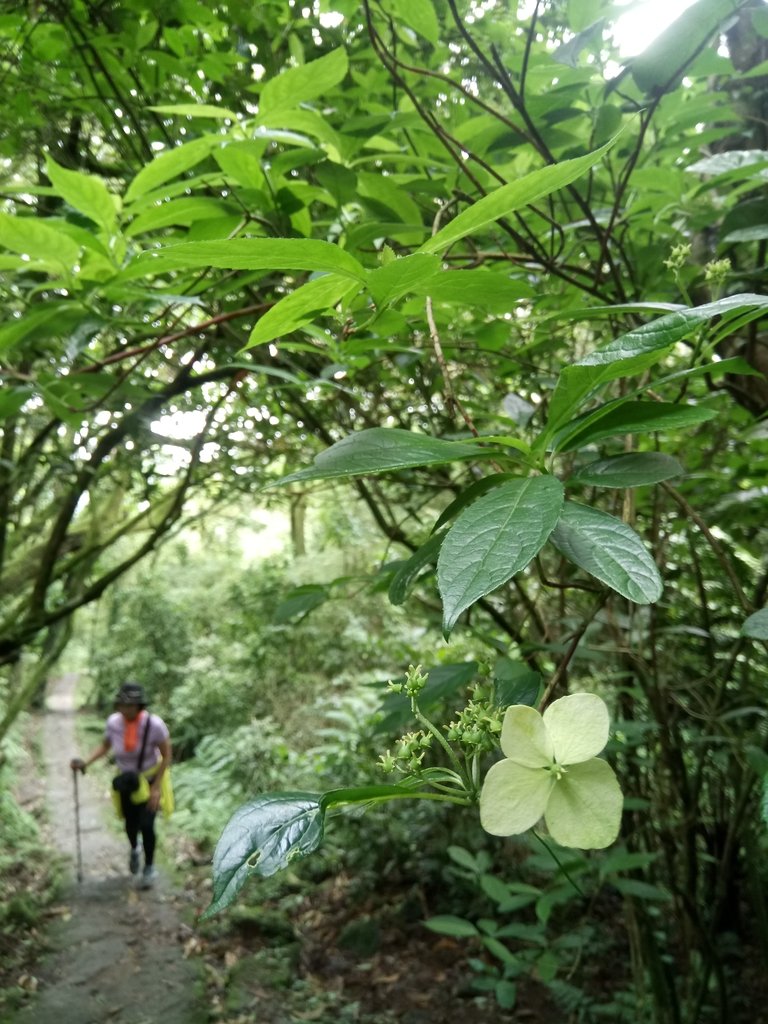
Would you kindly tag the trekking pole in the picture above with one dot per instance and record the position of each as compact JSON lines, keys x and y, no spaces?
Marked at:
{"x":75,"y":772}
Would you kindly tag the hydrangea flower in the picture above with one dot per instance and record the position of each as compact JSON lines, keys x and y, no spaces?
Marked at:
{"x":551,"y":771}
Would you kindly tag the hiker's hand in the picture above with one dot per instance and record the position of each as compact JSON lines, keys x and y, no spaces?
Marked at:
{"x":154,"y":799}
{"x":77,"y":764}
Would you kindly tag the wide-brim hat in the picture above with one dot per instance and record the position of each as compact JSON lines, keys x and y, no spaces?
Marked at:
{"x":131,"y":693}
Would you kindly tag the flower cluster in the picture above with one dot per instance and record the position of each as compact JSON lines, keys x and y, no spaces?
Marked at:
{"x":477,"y":726}
{"x":678,"y":256}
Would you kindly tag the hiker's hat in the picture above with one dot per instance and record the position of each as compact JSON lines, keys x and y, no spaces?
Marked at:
{"x":131,"y":693}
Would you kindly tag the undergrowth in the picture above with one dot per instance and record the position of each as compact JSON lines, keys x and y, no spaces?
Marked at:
{"x":31,"y":872}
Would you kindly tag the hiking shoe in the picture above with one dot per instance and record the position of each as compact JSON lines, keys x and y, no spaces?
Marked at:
{"x":148,"y":877}
{"x":133,"y":861}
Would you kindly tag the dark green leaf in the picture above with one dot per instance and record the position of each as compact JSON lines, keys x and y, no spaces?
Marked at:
{"x":629,"y":418}
{"x":366,"y":795}
{"x":640,"y":890}
{"x":637,"y":350}
{"x":515,"y":683}
{"x":380,"y":450}
{"x":635,"y":469}
{"x":262,"y":837}
{"x":493,"y":539}
{"x":472,"y":493}
{"x":300,"y":601}
{"x":449,"y":924}
{"x":409,"y":572}
{"x":609,"y":550}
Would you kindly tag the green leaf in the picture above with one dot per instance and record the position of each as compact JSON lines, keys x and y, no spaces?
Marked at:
{"x":12,"y":399}
{"x":517,"y":194}
{"x":515,"y":683}
{"x":256,"y":254}
{"x":658,"y":66}
{"x":311,"y":300}
{"x":471,"y":494}
{"x":241,"y":163}
{"x":170,"y":165}
{"x":204,"y":110}
{"x":410,"y":570}
{"x":476,"y":289}
{"x":386,"y":193}
{"x":732,"y":160}
{"x":640,"y":890}
{"x":300,"y":601}
{"x":493,"y":539}
{"x":465,"y":859}
{"x":449,"y":924}
{"x":637,"y":350}
{"x":381,"y":450}
{"x":85,"y":193}
{"x":176,"y":212}
{"x":623,"y":860}
{"x":756,"y":626}
{"x":388,"y":283}
{"x":609,"y":550}
{"x":420,"y":16}
{"x":262,"y":837}
{"x":366,"y":795}
{"x":635,"y":469}
{"x":568,"y":53}
{"x":629,"y":418}
{"x":40,"y":240}
{"x":34,"y":319}
{"x":505,"y":992}
{"x":306,"y":82}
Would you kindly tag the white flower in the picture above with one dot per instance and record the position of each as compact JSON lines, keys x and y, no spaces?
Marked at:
{"x":551,"y":771}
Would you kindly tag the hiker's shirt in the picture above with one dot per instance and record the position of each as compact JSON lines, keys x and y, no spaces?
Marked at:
{"x":126,"y":738}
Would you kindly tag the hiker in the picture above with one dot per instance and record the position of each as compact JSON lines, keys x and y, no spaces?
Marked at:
{"x":141,"y":746}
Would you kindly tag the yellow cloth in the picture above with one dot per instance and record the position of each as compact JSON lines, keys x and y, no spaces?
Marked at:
{"x":141,"y":795}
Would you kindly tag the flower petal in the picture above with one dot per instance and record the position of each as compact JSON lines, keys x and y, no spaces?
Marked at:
{"x":578,"y":727}
{"x":584,"y":809}
{"x":513,"y":797}
{"x":524,"y":737}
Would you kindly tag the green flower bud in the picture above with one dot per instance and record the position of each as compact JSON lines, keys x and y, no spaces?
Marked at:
{"x":678,"y":256}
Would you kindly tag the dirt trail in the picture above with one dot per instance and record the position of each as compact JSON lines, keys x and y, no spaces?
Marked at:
{"x":116,"y":954}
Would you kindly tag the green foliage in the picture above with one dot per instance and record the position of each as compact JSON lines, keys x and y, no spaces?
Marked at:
{"x":459,"y":261}
{"x":30,"y":874}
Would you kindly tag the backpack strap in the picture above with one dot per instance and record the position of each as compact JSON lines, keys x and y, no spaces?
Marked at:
{"x":143,"y":743}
